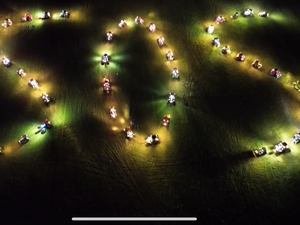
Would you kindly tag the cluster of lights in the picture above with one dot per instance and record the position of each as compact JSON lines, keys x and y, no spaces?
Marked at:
{"x":240,"y":56}
{"x":32,"y":82}
{"x":28,"y":17}
{"x":106,"y":85}
{"x":7,"y":23}
{"x":169,"y":55}
{"x":175,"y":75}
{"x":281,"y":146}
{"x":113,"y":112}
{"x":160,"y":41}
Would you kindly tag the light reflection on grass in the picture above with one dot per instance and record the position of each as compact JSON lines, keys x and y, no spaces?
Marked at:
{"x":114,"y":128}
{"x":60,"y":117}
{"x":279,"y":17}
{"x":31,"y":129}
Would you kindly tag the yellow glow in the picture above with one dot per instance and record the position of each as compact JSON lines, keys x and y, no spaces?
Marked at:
{"x":77,"y":15}
{"x":114,"y":128}
{"x":122,"y":120}
{"x":55,"y":15}
{"x":37,"y":15}
{"x":11,"y":148}
{"x":279,"y":17}
{"x":97,"y":59}
{"x":130,"y":23}
{"x":206,"y":25}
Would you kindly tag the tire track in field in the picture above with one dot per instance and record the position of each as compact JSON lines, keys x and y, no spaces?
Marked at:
{"x":126,"y":169}
{"x":131,"y":170}
{"x":173,"y":161}
{"x":197,"y":58}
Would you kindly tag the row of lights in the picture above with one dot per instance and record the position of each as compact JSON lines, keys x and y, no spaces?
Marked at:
{"x":152,"y":139}
{"x":32,"y":82}
{"x":281,"y":146}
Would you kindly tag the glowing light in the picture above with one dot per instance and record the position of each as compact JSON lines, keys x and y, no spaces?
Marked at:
{"x":55,"y":15}
{"x":279,"y":17}
{"x":96,"y":59}
{"x":114,"y":128}
{"x":122,"y":120}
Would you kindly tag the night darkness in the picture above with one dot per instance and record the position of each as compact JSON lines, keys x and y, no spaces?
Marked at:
{"x":204,"y":165}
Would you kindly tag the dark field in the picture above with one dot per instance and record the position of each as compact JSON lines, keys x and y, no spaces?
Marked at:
{"x":203,"y":166}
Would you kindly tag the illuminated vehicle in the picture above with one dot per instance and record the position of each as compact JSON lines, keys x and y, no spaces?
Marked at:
{"x":296,"y":85}
{"x":275,"y":72}
{"x":46,"y":98}
{"x":216,"y":42}
{"x":280,"y":147}
{"x":263,"y":14}
{"x":175,"y":73}
{"x":105,"y":59}
{"x":43,"y":128}
{"x":45,"y":15}
{"x":24,"y":139}
{"x":219,"y":19}
{"x":240,"y":57}
{"x":226,"y":50}
{"x":139,"y":20}
{"x":210,"y":29}
{"x":106,"y":85}
{"x":166,"y":120}
{"x":256,"y":64}
{"x":235,"y":16}
{"x":248,"y":12}
{"x":160,"y":41}
{"x":152,"y":139}
{"x":7,"y":23}
{"x":152,"y":27}
{"x":6,"y":62}
{"x":172,"y":99}
{"x":27,"y":17}
{"x":33,"y":83}
{"x":48,"y":124}
{"x":296,"y":138}
{"x":64,"y":14}
{"x":109,"y":36}
{"x":122,"y":24}
{"x":129,"y":133}
{"x":169,"y":56}
{"x":260,"y":152}
{"x":1,"y":150}
{"x":113,"y":112}
{"x":21,"y":72}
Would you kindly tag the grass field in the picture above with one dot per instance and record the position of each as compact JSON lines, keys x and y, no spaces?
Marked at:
{"x":203,"y":166}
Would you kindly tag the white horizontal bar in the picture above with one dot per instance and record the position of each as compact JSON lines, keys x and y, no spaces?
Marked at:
{"x":134,"y":218}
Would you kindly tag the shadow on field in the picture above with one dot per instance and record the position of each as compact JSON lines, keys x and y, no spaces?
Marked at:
{"x":11,"y":108}
{"x":240,"y":100}
{"x":93,"y":130}
{"x":242,"y":156}
{"x":144,"y":81}
{"x":55,"y":44}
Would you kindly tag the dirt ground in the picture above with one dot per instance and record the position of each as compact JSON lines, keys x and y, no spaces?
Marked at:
{"x":203,"y":166}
